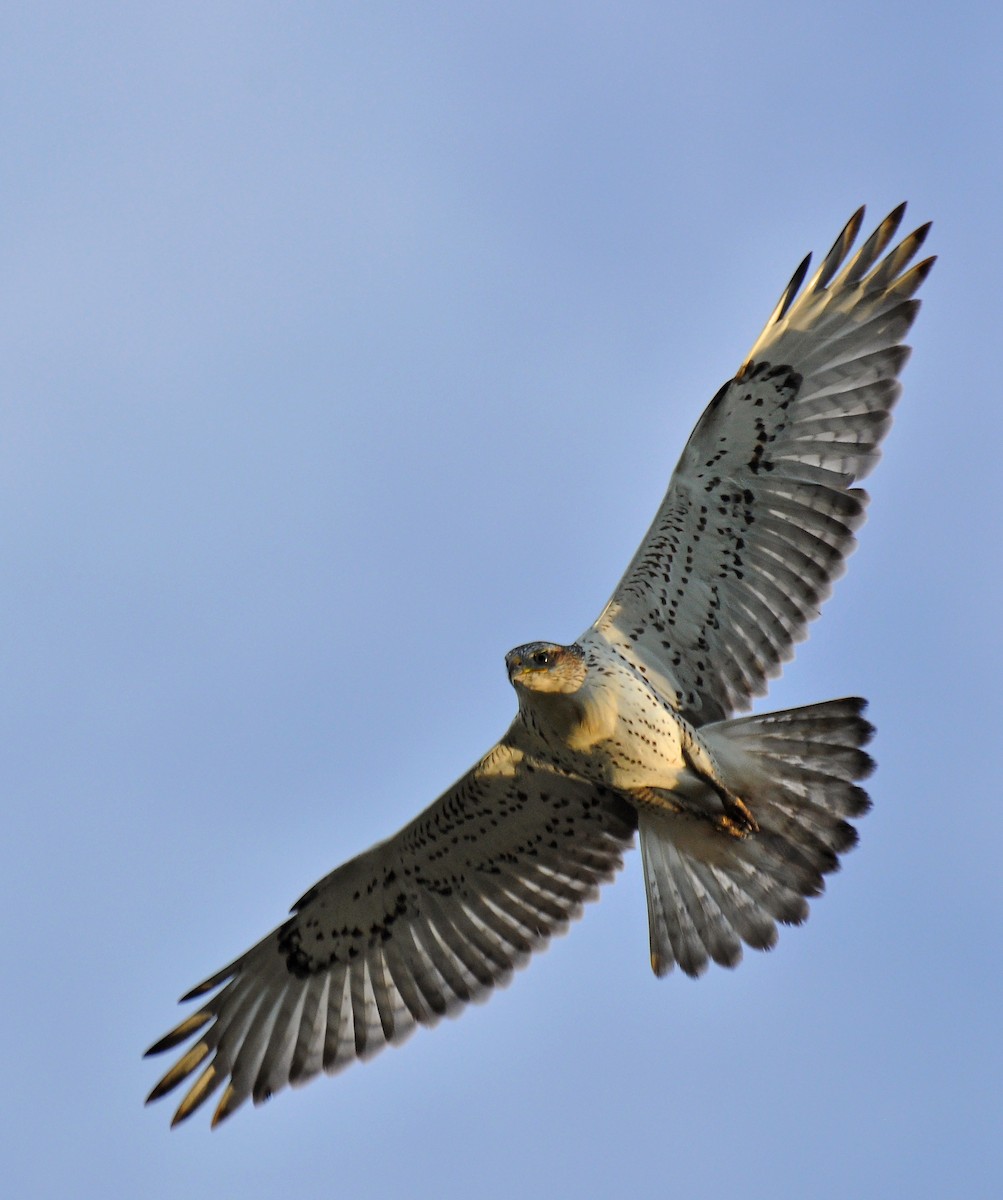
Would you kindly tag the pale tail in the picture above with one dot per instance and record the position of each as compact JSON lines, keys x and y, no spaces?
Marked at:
{"x":709,"y":890}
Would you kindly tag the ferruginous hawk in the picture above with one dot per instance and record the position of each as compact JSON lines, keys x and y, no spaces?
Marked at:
{"x":629,"y":729}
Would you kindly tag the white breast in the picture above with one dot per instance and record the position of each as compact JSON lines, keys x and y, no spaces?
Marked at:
{"x":615,"y":729}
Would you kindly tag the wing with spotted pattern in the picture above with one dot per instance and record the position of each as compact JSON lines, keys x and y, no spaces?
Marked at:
{"x":411,"y":930}
{"x":761,"y":510}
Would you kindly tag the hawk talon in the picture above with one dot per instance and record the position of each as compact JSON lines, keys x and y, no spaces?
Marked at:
{"x":738,"y":820}
{"x":736,"y":827}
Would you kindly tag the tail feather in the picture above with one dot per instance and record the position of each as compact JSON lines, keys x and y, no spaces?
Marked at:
{"x":753,"y":926}
{"x":685,"y":912}
{"x":709,"y":890}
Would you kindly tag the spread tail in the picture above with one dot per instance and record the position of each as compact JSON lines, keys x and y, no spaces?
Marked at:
{"x":711,"y":888}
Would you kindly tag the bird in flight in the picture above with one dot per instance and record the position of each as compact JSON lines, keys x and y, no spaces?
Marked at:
{"x":629,"y":730}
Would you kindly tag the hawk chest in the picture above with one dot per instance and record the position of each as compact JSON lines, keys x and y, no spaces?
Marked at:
{"x":615,"y":730}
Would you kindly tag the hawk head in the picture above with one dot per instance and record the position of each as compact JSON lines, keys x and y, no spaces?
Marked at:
{"x":547,"y":667}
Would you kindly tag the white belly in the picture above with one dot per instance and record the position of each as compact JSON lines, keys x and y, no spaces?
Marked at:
{"x":617,"y":731}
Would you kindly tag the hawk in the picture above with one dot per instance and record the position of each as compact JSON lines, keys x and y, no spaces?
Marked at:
{"x":629,"y":730}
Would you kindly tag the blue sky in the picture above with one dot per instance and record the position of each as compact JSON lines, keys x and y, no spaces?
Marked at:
{"x":345,"y":347}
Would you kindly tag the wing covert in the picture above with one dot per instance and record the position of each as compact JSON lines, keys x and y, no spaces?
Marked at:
{"x":414,"y":928}
{"x":761,"y":510}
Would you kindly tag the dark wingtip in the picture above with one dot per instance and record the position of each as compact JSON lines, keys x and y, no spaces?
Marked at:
{"x":225,"y":1107}
{"x":165,"y":1043}
{"x":919,"y":235}
{"x":797,"y":279}
{"x":180,"y":1033}
{"x":157,"y":1092}
{"x":213,"y":981}
{"x":852,"y":227}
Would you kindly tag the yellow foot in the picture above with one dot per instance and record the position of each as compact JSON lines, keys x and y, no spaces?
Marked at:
{"x":737,"y":820}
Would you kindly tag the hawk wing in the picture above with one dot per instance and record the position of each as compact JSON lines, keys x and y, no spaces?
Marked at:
{"x":760,"y":511}
{"x":412,"y":929}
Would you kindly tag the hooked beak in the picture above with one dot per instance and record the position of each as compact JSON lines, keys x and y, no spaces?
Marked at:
{"x":514,"y":665}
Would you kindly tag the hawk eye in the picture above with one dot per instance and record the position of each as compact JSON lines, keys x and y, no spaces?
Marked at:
{"x":541,"y":658}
